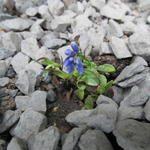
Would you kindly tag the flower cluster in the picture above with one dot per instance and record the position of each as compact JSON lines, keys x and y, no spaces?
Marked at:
{"x":73,"y":60}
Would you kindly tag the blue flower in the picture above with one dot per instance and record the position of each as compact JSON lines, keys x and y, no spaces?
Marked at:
{"x":79,"y":65}
{"x":69,"y":64}
{"x":69,"y":52}
{"x":73,"y":60}
{"x":74,"y":46}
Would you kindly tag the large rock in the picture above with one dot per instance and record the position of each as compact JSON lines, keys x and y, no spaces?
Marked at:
{"x":94,"y":140}
{"x":72,"y":138}
{"x":129,"y":71}
{"x":147,"y":110}
{"x":114,"y":29}
{"x":115,"y":10}
{"x":9,"y":44}
{"x":16,"y":144}
{"x":133,"y":135}
{"x":60,"y":23}
{"x":103,"y":116}
{"x":31,"y":122}
{"x":137,"y":96}
{"x":139,"y":44}
{"x":22,"y":5}
{"x":19,"y":61}
{"x":26,"y":81}
{"x":46,"y":140}
{"x":37,"y":101}
{"x":4,"y":81}
{"x":9,"y":119}
{"x":30,"y":47}
{"x":144,"y":4}
{"x":16,"y":24}
{"x":98,"y":4}
{"x":3,"y":68}
{"x":134,"y":80}
{"x":119,"y":48}
{"x":56,"y":7}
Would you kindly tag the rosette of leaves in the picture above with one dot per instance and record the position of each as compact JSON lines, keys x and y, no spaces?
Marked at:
{"x":90,"y":80}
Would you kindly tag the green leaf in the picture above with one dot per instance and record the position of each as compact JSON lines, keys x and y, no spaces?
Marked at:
{"x":79,"y":93}
{"x":89,"y":102}
{"x":106,"y":68}
{"x":101,"y":89}
{"x":62,"y":74}
{"x":47,"y":61}
{"x":109,"y":84}
{"x":90,"y":78}
{"x":103,"y":80}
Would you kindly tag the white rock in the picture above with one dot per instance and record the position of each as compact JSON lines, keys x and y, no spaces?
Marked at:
{"x":44,"y":12}
{"x":139,"y":44}
{"x":36,"y":29}
{"x":31,"y":122}
{"x":11,"y":41}
{"x":144,"y":4}
{"x":105,"y":49}
{"x":34,"y":66}
{"x":44,"y":52}
{"x":32,"y":11}
{"x":16,"y":24}
{"x":115,"y":10}
{"x":148,"y":19}
{"x":56,"y":7}
{"x":98,"y":3}
{"x":60,"y":23}
{"x":22,"y":5}
{"x":16,"y":144}
{"x":36,"y":101}
{"x":147,"y":110}
{"x":119,"y":48}
{"x":4,"y":81}
{"x":26,"y":81}
{"x":30,"y":47}
{"x":3,"y":68}
{"x":19,"y":62}
{"x":128,"y":27}
{"x":81,"y":23}
{"x":114,"y":29}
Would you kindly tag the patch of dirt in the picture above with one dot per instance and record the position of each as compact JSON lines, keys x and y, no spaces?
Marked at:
{"x":119,"y":64}
{"x":58,"y":110}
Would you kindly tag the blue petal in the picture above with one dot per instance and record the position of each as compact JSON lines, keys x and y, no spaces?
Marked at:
{"x":70,"y":67}
{"x":66,"y":61}
{"x":69,"y":52}
{"x":74,"y":46}
{"x":79,"y":65}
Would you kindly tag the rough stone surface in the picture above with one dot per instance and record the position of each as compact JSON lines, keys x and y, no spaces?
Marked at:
{"x":23,"y":61}
{"x":9,"y":119}
{"x":114,"y":29}
{"x":119,"y":48}
{"x":133,"y":135}
{"x":37,"y":101}
{"x":98,"y":4}
{"x":26,"y":81}
{"x":139,"y":44}
{"x":115,"y":10}
{"x":16,"y":24}
{"x":56,"y":7}
{"x":72,"y":138}
{"x":22,"y":5}
{"x":4,"y":81}
{"x":16,"y":144}
{"x":103,"y":117}
{"x":46,"y":140}
{"x":94,"y":140}
{"x":147,"y":110}
{"x":3,"y":68}
{"x":31,"y":122}
{"x":30,"y":47}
